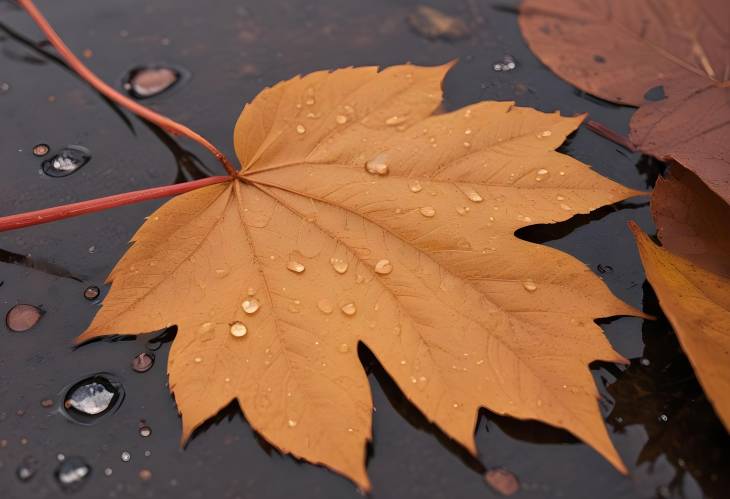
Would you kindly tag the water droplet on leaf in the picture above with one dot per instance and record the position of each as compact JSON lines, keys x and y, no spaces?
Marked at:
{"x":238,"y":330}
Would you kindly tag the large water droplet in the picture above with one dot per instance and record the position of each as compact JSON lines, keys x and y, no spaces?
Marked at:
{"x":250,"y":306}
{"x":146,"y":82}
{"x":66,"y":162}
{"x":377,"y":165}
{"x":72,"y":473}
{"x":40,"y":150}
{"x":92,"y":293}
{"x":295,"y":266}
{"x":427,"y":211}
{"x":415,"y":186}
{"x":238,"y":330}
{"x":143,"y":362}
{"x":339,"y":265}
{"x":91,"y":398}
{"x":22,"y":317}
{"x":529,"y":285}
{"x":383,"y":267}
{"x":349,"y":309}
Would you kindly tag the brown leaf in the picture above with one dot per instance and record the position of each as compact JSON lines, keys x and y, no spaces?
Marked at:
{"x":692,"y":221}
{"x":626,"y":50}
{"x":360,"y":217}
{"x":697,"y":303}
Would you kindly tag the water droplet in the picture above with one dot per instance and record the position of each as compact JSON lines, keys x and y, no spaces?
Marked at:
{"x":467,"y":131}
{"x":146,"y":82}
{"x":206,"y":327}
{"x":663,"y":418}
{"x":473,"y":196}
{"x":66,"y":162}
{"x":560,"y":198}
{"x":301,"y":129}
{"x":395,"y":120}
{"x":198,"y":360}
{"x":143,"y":362}
{"x":427,"y":211}
{"x":377,"y":165}
{"x":461,"y":210}
{"x":4,"y":87}
{"x":295,"y":266}
{"x":344,"y":348}
{"x":145,"y":431}
{"x":125,"y":456}
{"x":542,"y":171}
{"x":92,"y":293}
{"x":72,"y":473}
{"x":502,"y":480}
{"x":27,"y":468}
{"x":529,"y":286}
{"x":325,"y":306}
{"x":341,"y":119}
{"x":507,"y":63}
{"x":645,"y":362}
{"x":40,"y":150}
{"x":349,"y":309}
{"x":415,"y":186}
{"x":145,"y":474}
{"x":250,"y":306}
{"x":565,"y":207}
{"x":222,"y":272}
{"x":92,"y":397}
{"x":383,"y":267}
{"x":545,"y":133}
{"x":108,"y":472}
{"x":467,"y":144}
{"x":22,"y":317}
{"x":238,"y":330}
{"x":397,"y":330}
{"x":291,"y":423}
{"x":339,"y":265}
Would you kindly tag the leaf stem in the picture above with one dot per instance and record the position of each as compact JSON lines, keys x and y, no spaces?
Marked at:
{"x":85,"y":73}
{"x":607,"y":133}
{"x":46,"y":215}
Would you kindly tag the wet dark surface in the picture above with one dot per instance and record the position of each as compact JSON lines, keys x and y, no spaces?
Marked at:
{"x":659,"y":418}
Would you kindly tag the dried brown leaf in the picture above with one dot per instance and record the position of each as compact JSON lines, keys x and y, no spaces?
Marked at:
{"x":620,"y":50}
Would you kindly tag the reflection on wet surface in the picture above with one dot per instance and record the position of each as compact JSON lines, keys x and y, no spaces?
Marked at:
{"x":658,"y":416}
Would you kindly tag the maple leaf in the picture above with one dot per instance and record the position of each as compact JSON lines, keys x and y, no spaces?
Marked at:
{"x":690,"y":274}
{"x":697,"y":303}
{"x":360,"y":217}
{"x":636,"y":51}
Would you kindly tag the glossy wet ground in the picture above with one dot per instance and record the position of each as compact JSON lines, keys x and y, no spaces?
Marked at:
{"x":223,"y":53}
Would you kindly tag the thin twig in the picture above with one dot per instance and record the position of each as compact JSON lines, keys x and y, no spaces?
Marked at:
{"x":607,"y":133}
{"x":99,"y":204}
{"x":106,"y":90}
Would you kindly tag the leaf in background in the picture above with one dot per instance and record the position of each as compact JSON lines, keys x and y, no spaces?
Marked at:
{"x":697,"y":303}
{"x":669,"y":58}
{"x":360,"y":217}
{"x":692,"y":221}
